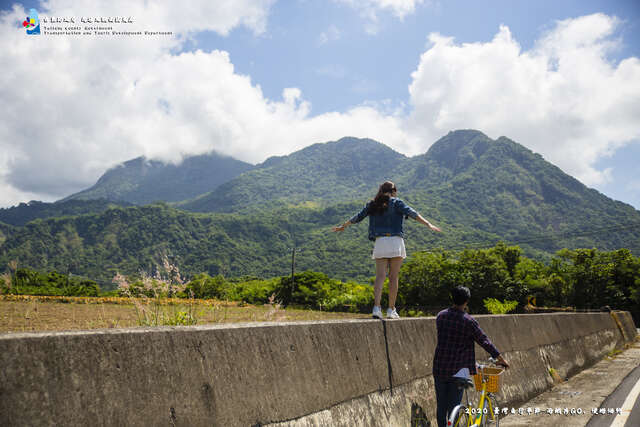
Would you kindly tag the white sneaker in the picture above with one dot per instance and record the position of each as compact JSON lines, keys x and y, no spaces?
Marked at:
{"x":377,"y":312}
{"x":392,"y":313}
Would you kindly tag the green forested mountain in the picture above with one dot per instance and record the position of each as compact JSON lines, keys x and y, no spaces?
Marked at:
{"x":141,"y":181}
{"x":503,"y":188}
{"x":478,"y":190}
{"x":347,"y":169}
{"x":5,"y":231}
{"x":24,"y":212}
{"x":466,"y":180}
{"x":127,"y":240}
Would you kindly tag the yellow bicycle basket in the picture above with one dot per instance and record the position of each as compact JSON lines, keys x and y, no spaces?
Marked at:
{"x":493,"y":377}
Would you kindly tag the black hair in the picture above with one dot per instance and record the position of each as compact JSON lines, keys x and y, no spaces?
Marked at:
{"x":460,"y":295}
{"x":380,"y":203}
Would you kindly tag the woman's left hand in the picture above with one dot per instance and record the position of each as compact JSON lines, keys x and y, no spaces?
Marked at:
{"x":434,"y":228}
{"x":338,"y":228}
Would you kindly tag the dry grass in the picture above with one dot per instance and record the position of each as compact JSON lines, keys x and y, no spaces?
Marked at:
{"x":30,"y":313}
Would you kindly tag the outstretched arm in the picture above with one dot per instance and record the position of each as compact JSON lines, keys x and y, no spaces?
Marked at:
{"x":341,"y":227}
{"x":354,"y":219}
{"x":419,"y":218}
{"x":408,"y":211}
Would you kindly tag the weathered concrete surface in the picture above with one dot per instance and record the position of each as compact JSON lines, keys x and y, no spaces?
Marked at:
{"x":532,"y":344}
{"x":586,"y":390}
{"x":359,"y":372}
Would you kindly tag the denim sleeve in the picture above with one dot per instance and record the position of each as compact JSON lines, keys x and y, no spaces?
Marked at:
{"x":481,"y":338}
{"x":360,"y":215}
{"x":405,"y":209}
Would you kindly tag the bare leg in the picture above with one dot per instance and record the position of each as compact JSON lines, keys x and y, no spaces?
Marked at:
{"x":394,"y":269}
{"x":381,"y":274}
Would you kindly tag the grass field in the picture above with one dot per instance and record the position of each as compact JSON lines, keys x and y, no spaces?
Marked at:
{"x":25,"y":313}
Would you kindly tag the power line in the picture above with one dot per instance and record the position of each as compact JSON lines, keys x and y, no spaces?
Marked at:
{"x":549,"y":236}
{"x":570,"y":234}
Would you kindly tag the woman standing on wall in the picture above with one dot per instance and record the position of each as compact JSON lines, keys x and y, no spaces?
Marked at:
{"x":386,"y":214}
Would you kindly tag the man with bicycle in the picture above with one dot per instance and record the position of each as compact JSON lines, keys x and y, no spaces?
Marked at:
{"x":457,"y":332}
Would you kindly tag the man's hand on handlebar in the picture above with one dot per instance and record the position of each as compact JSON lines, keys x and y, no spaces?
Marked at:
{"x":500,"y":361}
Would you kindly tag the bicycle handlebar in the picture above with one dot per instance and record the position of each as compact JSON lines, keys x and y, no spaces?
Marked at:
{"x":492,"y":362}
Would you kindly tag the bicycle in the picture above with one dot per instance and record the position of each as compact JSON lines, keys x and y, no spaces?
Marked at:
{"x":487,"y":411}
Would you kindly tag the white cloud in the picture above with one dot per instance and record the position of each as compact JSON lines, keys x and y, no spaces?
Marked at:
{"x":370,"y":9}
{"x":563,"y":98}
{"x":72,"y":107}
{"x":220,"y":16}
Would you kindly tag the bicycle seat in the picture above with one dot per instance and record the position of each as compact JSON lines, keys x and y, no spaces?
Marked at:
{"x":463,"y":382}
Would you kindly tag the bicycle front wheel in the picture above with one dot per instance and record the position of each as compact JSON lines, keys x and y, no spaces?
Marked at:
{"x":491,"y":417}
{"x":459,"y":417}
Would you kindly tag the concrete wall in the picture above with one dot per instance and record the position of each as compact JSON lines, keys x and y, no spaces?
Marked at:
{"x":358,"y":372}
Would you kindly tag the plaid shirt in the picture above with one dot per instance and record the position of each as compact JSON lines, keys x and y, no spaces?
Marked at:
{"x":457,"y":332}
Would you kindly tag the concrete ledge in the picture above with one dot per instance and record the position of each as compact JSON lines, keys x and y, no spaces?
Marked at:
{"x":586,"y":390}
{"x":270,"y":373}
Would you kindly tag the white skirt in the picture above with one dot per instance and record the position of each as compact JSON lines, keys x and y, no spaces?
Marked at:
{"x":389,"y":247}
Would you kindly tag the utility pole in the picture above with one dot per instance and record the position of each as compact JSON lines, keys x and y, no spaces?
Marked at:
{"x":293,"y":263}
{"x":293,"y":268}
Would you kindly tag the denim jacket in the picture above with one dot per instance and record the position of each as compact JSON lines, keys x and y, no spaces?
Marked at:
{"x":389,"y":223}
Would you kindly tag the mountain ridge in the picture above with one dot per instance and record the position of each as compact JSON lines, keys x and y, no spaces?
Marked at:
{"x":25,"y":212}
{"x":141,"y":180}
{"x":316,"y":172}
{"x":463,"y":147}
{"x":478,"y":190}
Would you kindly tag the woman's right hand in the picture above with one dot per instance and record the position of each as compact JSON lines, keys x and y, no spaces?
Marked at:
{"x":434,"y":228}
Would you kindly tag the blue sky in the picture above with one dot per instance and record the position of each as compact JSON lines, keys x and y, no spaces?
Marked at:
{"x":261,"y":78}
{"x":289,"y":53}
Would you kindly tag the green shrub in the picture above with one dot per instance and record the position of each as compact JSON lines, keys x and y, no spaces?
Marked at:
{"x":494,"y":306}
{"x":29,"y":282}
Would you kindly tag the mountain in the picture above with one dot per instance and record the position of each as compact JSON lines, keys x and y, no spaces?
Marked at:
{"x":141,"y":181}
{"x":504,"y":188}
{"x":5,"y":232}
{"x":342,"y":170}
{"x":466,"y":179}
{"x":451,"y":155}
{"x":128,"y":240}
{"x":478,"y":190}
{"x":25,"y":212}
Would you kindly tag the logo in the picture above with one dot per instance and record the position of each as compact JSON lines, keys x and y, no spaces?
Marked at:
{"x":32,"y":23}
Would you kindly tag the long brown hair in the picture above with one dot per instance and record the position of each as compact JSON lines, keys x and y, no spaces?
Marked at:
{"x":380,"y":203}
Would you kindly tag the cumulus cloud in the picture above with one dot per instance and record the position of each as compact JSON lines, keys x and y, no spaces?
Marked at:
{"x":370,"y":9}
{"x":220,"y":16}
{"x":74,"y":106}
{"x":400,"y":8}
{"x":563,"y":98}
